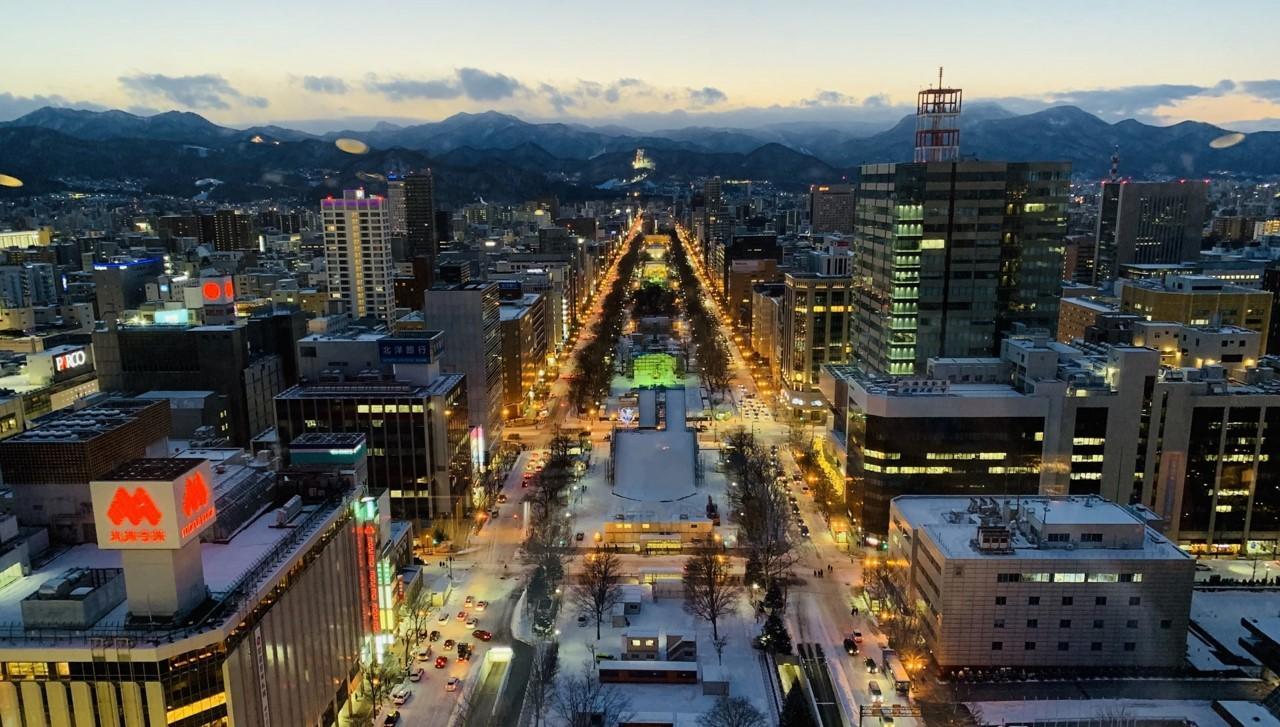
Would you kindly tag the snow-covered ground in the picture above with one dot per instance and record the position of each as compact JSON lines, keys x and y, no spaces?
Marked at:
{"x":1241,"y":570}
{"x":741,"y":664}
{"x":1219,"y":612}
{"x":1201,"y":654}
{"x":1023,"y":712}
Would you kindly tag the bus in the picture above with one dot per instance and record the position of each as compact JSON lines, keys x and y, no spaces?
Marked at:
{"x":894,"y":670}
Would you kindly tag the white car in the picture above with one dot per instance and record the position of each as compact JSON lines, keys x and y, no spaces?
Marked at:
{"x":423,"y":654}
{"x":443,"y":618}
{"x":452,"y":684}
{"x":471,"y":622}
{"x":481,"y":605}
{"x":417,"y":674}
{"x":400,"y":696}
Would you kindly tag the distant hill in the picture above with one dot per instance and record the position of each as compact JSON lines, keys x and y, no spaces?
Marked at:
{"x":499,"y":156}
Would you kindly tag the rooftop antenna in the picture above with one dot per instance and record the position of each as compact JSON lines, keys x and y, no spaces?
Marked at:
{"x":937,"y":124}
{"x":1115,"y":163}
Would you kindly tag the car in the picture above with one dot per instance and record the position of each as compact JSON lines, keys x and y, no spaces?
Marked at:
{"x":579,"y":536}
{"x":416,"y":674}
{"x":795,"y":509}
{"x":400,"y":696}
{"x":871,"y":665}
{"x":886,"y":720}
{"x":493,"y":513}
{"x":857,"y":637}
{"x":423,"y":654}
{"x":442,"y":662}
{"x":452,"y":684}
{"x":481,"y":605}
{"x":469,"y":602}
{"x":392,"y":719}
{"x":449,"y":644}
{"x":482,"y":634}
{"x":502,"y":499}
{"x":471,"y":622}
{"x":464,"y":652}
{"x":850,"y":647}
{"x":582,"y":619}
{"x":444,"y":617}
{"x":804,"y":530}
{"x":804,"y":489}
{"x":462,"y":615}
{"x":876,"y":695}
{"x":433,"y":636}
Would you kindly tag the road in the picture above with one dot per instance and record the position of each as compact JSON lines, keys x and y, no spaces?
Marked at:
{"x":819,"y":612}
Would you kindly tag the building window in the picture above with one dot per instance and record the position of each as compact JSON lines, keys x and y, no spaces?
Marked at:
{"x":1131,"y":623}
{"x":1067,"y":600}
{"x":998,"y":624}
{"x":1166,"y":623}
{"x":1100,"y":601}
{"x":1130,"y":646}
{"x":1033,"y":623}
{"x":1098,"y":623}
{"x":997,"y":646}
{"x":1029,"y":646}
{"x":1095,"y":646}
{"x":1000,"y":600}
{"x":1064,"y":623}
{"x":1135,"y":600}
{"x":1059,"y":537}
{"x":1064,"y":645}
{"x":1091,"y":537}
{"x":1033,"y":600}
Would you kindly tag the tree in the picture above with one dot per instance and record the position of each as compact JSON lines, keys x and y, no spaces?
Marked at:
{"x":795,"y":709}
{"x":542,"y":678}
{"x":709,"y":591}
{"x":774,"y":638}
{"x":760,"y":508}
{"x":581,"y":700}
{"x":380,"y":679}
{"x":732,"y":712}
{"x":416,"y":616}
{"x":600,"y":587}
{"x":775,"y":600}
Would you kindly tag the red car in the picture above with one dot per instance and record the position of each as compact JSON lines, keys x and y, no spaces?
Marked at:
{"x":462,"y":615}
{"x":442,"y":662}
{"x":482,"y":634}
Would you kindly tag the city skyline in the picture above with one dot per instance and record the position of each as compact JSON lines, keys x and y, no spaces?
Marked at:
{"x":429,"y":64}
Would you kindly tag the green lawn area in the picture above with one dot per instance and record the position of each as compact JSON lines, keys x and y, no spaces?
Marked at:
{"x":655,"y":369}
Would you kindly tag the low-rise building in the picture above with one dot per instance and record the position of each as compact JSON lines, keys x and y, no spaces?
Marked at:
{"x":1040,"y":582}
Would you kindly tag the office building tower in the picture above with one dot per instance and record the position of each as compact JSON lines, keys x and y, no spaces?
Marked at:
{"x":222,"y":358}
{"x":831,"y":208}
{"x":1148,"y":222}
{"x":954,"y":255}
{"x":395,"y":206}
{"x":1197,"y":300}
{"x":816,"y":310}
{"x":120,"y":284}
{"x":524,"y":352}
{"x":358,"y":254}
{"x":1040,"y":582}
{"x":175,"y":226}
{"x":1271,"y":284}
{"x":420,"y":215}
{"x":232,"y":230}
{"x":469,"y":316}
{"x":1189,"y":443}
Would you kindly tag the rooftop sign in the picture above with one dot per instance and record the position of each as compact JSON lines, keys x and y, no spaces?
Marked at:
{"x":154,"y":514}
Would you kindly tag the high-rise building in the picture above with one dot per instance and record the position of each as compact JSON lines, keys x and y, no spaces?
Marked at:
{"x":395,"y":206}
{"x":420,"y":215}
{"x":524,"y":350}
{"x":232,"y":230}
{"x":358,"y":254}
{"x":953,"y":255}
{"x":1271,"y":284}
{"x":120,"y":284}
{"x":815,"y":326}
{"x":831,"y":208}
{"x":1148,"y":222}
{"x":470,"y":319}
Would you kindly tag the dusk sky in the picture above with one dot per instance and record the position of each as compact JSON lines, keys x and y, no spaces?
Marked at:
{"x":288,"y":61}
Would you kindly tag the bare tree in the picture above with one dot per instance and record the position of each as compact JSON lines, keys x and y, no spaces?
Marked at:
{"x":542,"y":678}
{"x":548,"y":546}
{"x":761,"y":510}
{"x":581,"y":700}
{"x":600,"y":588}
{"x":732,"y":712}
{"x":709,"y":590}
{"x":380,"y":679}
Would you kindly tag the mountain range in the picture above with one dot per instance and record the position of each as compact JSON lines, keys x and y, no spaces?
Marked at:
{"x":501,"y":157}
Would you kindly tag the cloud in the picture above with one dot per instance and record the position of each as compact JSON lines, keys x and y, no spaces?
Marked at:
{"x":1268,"y":90}
{"x":562,"y":101}
{"x":472,"y":83}
{"x":205,"y":91}
{"x":1136,"y":101}
{"x":707,"y":96}
{"x":481,"y":85}
{"x":325,"y":84}
{"x":11,"y":106}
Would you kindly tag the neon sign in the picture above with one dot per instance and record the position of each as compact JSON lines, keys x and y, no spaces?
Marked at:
{"x":164,"y":514}
{"x":68,"y":361}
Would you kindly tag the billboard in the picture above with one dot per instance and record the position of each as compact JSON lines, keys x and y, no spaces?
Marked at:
{"x":154,"y":514}
{"x":408,"y":349}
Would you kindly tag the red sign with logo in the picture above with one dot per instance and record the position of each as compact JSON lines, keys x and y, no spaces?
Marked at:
{"x":154,"y":514}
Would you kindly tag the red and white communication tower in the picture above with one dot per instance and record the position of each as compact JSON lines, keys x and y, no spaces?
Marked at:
{"x":938,"y":124}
